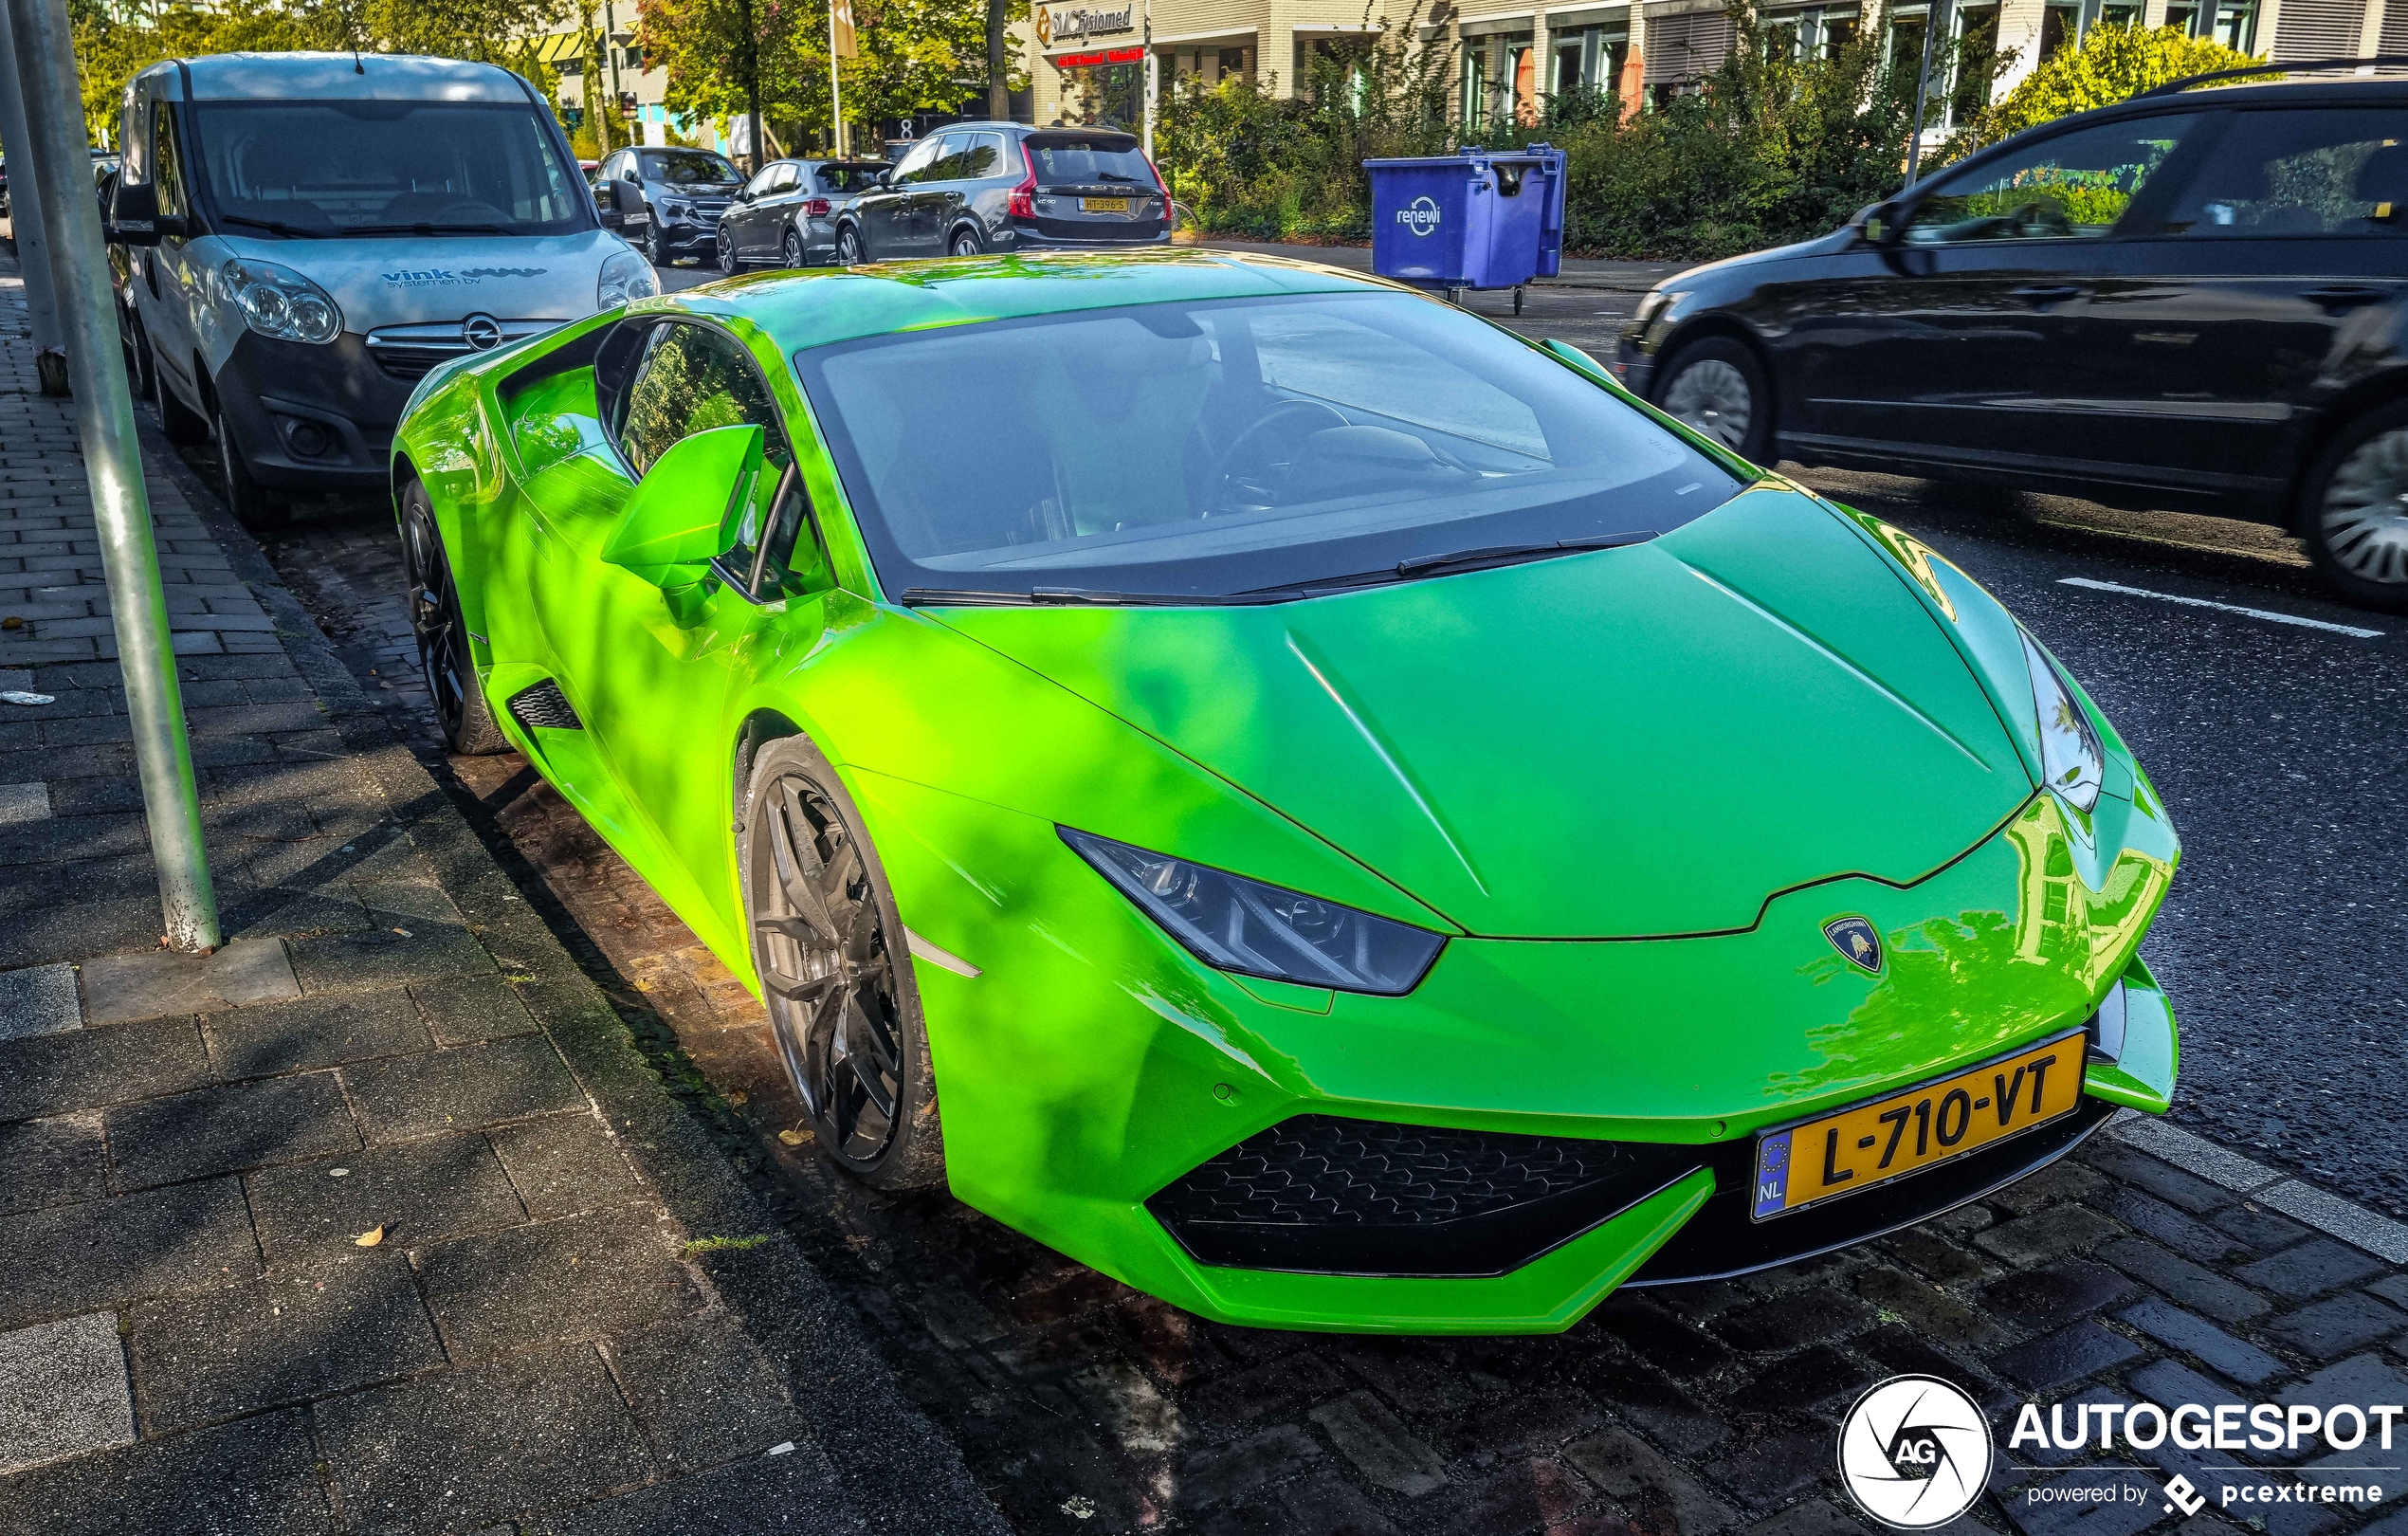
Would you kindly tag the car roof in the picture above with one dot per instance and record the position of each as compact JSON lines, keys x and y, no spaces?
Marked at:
{"x":367,"y":77}
{"x":2263,"y":92}
{"x":818,"y":306}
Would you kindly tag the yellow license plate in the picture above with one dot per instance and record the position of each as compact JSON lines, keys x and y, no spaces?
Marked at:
{"x":1103,"y":204}
{"x":1870,"y":1143}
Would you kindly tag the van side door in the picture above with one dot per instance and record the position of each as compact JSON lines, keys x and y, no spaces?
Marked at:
{"x":174,"y":289}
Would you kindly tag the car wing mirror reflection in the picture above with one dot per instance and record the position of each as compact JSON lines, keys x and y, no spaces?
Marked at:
{"x":687,"y":509}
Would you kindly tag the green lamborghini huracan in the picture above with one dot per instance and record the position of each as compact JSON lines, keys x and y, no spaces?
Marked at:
{"x":1314,"y":805}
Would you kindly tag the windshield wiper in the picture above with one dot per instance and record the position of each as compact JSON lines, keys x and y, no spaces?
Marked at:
{"x":272,"y":227}
{"x":1115,"y":176}
{"x":1473,"y":560}
{"x":1088,"y":597}
{"x":427,"y":229}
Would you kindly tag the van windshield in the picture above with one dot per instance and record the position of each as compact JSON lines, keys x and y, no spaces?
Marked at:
{"x":302,"y":168}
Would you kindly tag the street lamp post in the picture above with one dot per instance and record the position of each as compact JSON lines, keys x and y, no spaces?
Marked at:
{"x":60,"y":154}
{"x":25,"y":224}
{"x":1934,"y":20}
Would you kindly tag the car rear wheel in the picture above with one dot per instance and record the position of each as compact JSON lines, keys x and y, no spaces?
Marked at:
{"x":966,"y":243}
{"x":836,"y":971}
{"x":2356,"y":521}
{"x":849,"y":251}
{"x":793,"y":252}
{"x":435,"y":620}
{"x":1717,"y":386}
{"x":727,"y":261}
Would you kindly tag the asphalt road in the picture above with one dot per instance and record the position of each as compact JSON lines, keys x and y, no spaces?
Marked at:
{"x":2281,"y":748}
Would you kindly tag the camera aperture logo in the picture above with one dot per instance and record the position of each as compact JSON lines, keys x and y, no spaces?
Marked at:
{"x":1914,"y":1452}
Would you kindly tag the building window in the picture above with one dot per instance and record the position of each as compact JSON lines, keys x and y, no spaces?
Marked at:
{"x":2236,"y":26}
{"x":1903,"y":48}
{"x":1976,"y":48}
{"x":2061,"y":28}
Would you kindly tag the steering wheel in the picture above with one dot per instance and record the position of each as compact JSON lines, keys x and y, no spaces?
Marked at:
{"x":1299,"y":419}
{"x":2043,"y":215}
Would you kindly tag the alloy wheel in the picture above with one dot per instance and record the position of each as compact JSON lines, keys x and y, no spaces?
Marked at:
{"x":2364,"y":517}
{"x":825,"y":967}
{"x":793,"y":249}
{"x":727,"y":263}
{"x":1713,"y":396}
{"x":965,"y":244}
{"x":435,"y":622}
{"x":847,"y":248}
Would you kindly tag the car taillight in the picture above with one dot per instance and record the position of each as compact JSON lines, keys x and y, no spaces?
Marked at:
{"x":1023,"y":204}
{"x":1163,"y":186}
{"x":816,"y":208}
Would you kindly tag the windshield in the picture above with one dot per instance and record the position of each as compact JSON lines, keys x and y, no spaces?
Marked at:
{"x":338,"y":168}
{"x":1230,"y":447}
{"x":689,"y":168}
{"x":847,"y":178}
{"x":1077,"y":160}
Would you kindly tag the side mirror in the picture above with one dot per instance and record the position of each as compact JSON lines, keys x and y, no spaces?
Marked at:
{"x":687,"y":509}
{"x":628,"y":197}
{"x":1883,"y":224}
{"x":135,"y":218}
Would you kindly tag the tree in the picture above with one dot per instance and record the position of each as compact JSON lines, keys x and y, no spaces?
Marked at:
{"x":2114,"y":63}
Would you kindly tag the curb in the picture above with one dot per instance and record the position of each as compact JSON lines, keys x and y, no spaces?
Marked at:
{"x":2329,"y":1214}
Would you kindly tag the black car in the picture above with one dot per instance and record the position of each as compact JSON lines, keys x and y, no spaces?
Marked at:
{"x":786,"y":215}
{"x":1002,"y":185}
{"x":685,"y":193}
{"x":2195,"y":301}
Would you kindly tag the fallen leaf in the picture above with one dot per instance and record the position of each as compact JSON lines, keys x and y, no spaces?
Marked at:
{"x":11,"y":622}
{"x":404,"y":932}
{"x":791,"y":1137}
{"x":737,"y":1099}
{"x":371,"y":1237}
{"x":19,"y":696}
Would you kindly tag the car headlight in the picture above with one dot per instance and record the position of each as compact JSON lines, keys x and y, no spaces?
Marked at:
{"x":1233,"y":924}
{"x":1656,"y":302}
{"x":2072,"y":761}
{"x":626,"y":276}
{"x":277,"y":302}
{"x":676,"y":209}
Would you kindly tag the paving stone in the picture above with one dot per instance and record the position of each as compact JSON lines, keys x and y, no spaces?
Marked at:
{"x":78,"y":1259}
{"x":2065,"y":1180}
{"x":376,"y":957}
{"x":461,"y":1088}
{"x":1907,"y":1352}
{"x":1660,"y":1338}
{"x":466,"y":1008}
{"x":221,"y":1129}
{"x":1814,"y":1375}
{"x":80,"y":1068}
{"x":2177,"y":1329}
{"x":2187,"y":1235}
{"x":63,"y":1391}
{"x":1656,"y":1495}
{"x":1651,"y":1402}
{"x":257,"y":1477}
{"x":1380,"y":1446}
{"x":2201,"y":1291}
{"x":2057,"y":1293}
{"x":2046,"y":1234}
{"x":1281,"y":1387}
{"x":2351,"y":1223}
{"x":418,"y":1192}
{"x":39,"y":1000}
{"x":1221,"y":1473}
{"x":2361,"y":1379}
{"x":575,"y":1278}
{"x":2258,"y":1228}
{"x":702,"y":1392}
{"x":464,"y":1448}
{"x":1800,"y":1318}
{"x":2393,"y":1288}
{"x":2311,"y":1269}
{"x":296,"y":1036}
{"x":122,"y":988}
{"x":1925,"y":1309}
{"x":2338,"y":1326}
{"x":2064,"y":1357}
{"x":52,"y":1162}
{"x":1537,"y":1419}
{"x":1507,"y":1499}
{"x":1140,"y":1417}
{"x":300,"y":1332}
{"x":796,"y":1492}
{"x":1815,"y":1517}
{"x":1935,"y":1256}
{"x":1769,"y":1468}
{"x":565,"y":1162}
{"x":1327,"y":1505}
{"x":2169,"y":1384}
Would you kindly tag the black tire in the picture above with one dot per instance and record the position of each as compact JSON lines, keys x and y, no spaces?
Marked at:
{"x":836,"y":972}
{"x":791,"y":253}
{"x":1717,"y":387}
{"x":728,"y":265}
{"x":444,"y":657}
{"x":655,"y":251}
{"x":251,"y":502}
{"x":966,"y":241}
{"x":183,"y":425}
{"x":141,"y":373}
{"x":2353,"y":510}
{"x":849,"y":251}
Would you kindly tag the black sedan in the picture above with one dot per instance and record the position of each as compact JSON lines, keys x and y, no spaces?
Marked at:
{"x":786,"y":215}
{"x":980,"y":187}
{"x":2195,"y":301}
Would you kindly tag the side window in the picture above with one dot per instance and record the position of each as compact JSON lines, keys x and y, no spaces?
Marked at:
{"x":167,"y":162}
{"x":915,"y":165}
{"x":2323,"y":171}
{"x":983,"y":157}
{"x":766,"y":182}
{"x":785,"y":179}
{"x":2070,"y":186}
{"x":692,"y":379}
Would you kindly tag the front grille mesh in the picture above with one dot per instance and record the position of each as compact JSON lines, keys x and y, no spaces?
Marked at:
{"x":1320,"y":1170}
{"x":544,"y":706}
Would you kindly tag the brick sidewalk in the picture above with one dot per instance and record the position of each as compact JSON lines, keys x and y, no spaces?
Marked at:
{"x":375,"y":1219}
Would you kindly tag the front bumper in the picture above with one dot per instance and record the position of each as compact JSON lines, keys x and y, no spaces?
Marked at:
{"x":687,"y":237}
{"x":1093,"y":1066}
{"x":268,"y":388}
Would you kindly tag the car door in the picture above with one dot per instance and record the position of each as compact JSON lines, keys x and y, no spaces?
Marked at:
{"x":756,"y":216}
{"x":987,"y":173}
{"x":1959,"y":343}
{"x":786,"y":194}
{"x":173,"y":288}
{"x":920,"y":177}
{"x":2267,"y":284}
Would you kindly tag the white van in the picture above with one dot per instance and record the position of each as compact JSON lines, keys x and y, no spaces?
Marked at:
{"x":314,"y":232}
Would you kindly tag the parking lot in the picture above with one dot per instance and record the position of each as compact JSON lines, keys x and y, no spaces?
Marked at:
{"x":2271,"y":720}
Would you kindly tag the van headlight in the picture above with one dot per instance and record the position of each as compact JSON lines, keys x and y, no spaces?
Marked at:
{"x":279,"y":302}
{"x":626,"y":276}
{"x":2071,"y":760}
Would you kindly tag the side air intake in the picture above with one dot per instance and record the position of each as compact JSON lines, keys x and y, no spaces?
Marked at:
{"x":544,"y":706}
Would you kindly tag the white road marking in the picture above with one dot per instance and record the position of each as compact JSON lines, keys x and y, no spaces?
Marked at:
{"x":2228,"y":607}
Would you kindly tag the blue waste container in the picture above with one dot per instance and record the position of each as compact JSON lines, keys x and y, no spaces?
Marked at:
{"x":1474,"y":219}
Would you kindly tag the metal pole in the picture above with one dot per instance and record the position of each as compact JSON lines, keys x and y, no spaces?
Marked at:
{"x":1146,"y":84}
{"x":835,"y":96}
{"x":113,"y":463}
{"x":611,"y":46}
{"x":25,"y":224}
{"x":1933,"y":20}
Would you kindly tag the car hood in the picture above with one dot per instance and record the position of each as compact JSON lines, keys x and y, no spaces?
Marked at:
{"x":1635,"y":743}
{"x":405,"y":281}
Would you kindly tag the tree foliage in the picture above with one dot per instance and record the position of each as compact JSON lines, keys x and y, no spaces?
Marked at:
{"x":2114,"y":63}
